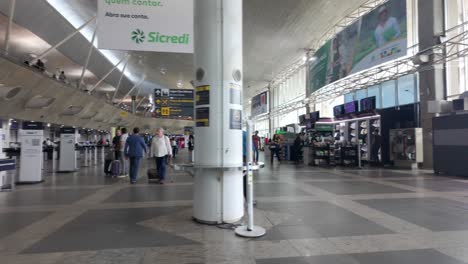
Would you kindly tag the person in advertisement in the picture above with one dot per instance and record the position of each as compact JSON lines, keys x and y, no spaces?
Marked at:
{"x":388,"y":28}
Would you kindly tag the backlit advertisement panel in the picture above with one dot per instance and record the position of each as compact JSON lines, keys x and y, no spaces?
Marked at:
{"x":377,"y":37}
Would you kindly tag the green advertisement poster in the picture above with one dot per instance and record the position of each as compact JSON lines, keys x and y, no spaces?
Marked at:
{"x":383,"y":36}
{"x":318,"y":69}
{"x":378,"y":37}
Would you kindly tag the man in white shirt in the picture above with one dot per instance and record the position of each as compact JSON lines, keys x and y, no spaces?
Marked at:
{"x":123,"y":160}
{"x":388,"y":28}
{"x":161,"y":149}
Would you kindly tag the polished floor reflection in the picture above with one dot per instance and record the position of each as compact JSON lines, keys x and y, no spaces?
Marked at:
{"x":313,"y":215}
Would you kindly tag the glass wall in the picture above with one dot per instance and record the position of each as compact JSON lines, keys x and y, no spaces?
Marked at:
{"x":289,"y":91}
{"x":456,"y":12}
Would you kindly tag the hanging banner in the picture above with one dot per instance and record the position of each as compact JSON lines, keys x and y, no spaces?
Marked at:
{"x":260,"y":104}
{"x":146,"y":25}
{"x":378,"y":37}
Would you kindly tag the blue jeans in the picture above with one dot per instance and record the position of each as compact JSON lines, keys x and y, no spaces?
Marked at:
{"x":255,"y":154}
{"x":161,"y":167}
{"x":134,"y":166}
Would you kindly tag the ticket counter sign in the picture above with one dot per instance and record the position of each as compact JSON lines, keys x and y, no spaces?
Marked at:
{"x":146,"y":25}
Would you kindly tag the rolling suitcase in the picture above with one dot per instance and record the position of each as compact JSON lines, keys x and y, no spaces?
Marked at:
{"x":115,"y":168}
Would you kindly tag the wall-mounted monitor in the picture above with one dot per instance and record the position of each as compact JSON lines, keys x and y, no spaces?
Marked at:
{"x":338,"y":111}
{"x":32,"y":125}
{"x":460,"y":104}
{"x":302,"y":119}
{"x":314,"y":116}
{"x":368,"y":104}
{"x":351,"y":107}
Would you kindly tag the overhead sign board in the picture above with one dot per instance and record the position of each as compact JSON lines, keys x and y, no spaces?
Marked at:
{"x":173,"y":103}
{"x":146,"y":25}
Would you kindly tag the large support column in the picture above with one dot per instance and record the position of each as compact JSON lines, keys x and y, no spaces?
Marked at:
{"x":432,"y":83}
{"x":218,"y":192}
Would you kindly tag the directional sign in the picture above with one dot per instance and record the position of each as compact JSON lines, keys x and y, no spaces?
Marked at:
{"x":174,"y":103}
{"x":165,"y":111}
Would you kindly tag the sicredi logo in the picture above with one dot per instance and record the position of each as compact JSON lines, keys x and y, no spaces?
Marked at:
{"x":138,"y":36}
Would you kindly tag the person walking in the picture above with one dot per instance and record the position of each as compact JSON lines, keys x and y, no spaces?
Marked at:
{"x":275,"y":148}
{"x":174,"y":147}
{"x":256,"y":146}
{"x":161,"y":149}
{"x":123,"y":161}
{"x":134,"y":149}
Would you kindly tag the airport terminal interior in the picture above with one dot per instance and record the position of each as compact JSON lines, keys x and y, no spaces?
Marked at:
{"x":234,"y":132}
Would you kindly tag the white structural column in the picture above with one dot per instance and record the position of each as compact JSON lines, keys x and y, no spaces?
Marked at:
{"x":218,"y":191}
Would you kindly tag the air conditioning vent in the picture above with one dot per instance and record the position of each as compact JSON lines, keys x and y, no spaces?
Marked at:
{"x":72,"y":110}
{"x":8,"y":93}
{"x":38,"y":102}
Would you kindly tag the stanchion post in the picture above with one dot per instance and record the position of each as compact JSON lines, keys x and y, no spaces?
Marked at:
{"x":250,"y":230}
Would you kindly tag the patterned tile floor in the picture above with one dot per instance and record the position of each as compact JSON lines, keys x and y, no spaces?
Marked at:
{"x":313,"y":215}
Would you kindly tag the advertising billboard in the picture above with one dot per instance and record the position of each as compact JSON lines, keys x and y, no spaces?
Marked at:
{"x":377,"y":37}
{"x":260,"y":104}
{"x":150,"y":25}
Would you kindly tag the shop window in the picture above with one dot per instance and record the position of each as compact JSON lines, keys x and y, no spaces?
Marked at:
{"x":388,"y":94}
{"x":406,"y":90}
{"x":375,"y":91}
{"x":349,"y":97}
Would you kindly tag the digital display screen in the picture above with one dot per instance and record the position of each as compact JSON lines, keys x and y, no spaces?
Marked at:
{"x":302,"y":119}
{"x":351,"y":107}
{"x":33,"y":126}
{"x":309,"y":125}
{"x":368,"y":104}
{"x":338,"y":110}
{"x":314,"y":116}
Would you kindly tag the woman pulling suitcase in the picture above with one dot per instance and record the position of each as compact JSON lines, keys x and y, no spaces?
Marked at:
{"x":161,"y":150}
